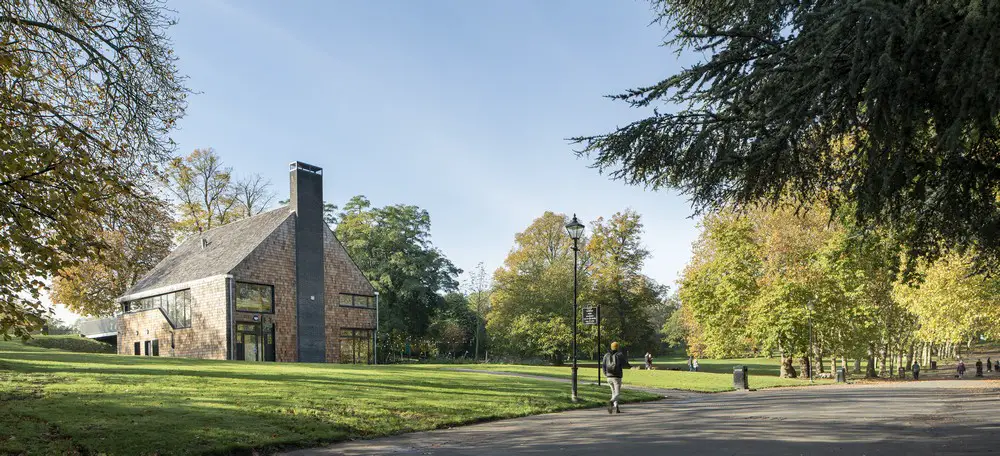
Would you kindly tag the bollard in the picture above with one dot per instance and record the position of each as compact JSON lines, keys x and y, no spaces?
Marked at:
{"x":740,"y":381}
{"x":841,"y":375}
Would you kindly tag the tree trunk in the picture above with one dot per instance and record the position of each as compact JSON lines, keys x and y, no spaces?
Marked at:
{"x":857,"y":365}
{"x":881,"y":361}
{"x":806,"y":367}
{"x":787,"y":367}
{"x":819,"y":360}
{"x":476,"y":355}
{"x":870,"y":370}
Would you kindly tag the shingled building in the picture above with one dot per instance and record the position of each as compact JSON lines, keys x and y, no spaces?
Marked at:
{"x":277,"y":286}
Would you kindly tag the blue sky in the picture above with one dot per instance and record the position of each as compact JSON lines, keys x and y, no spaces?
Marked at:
{"x":459,"y":107}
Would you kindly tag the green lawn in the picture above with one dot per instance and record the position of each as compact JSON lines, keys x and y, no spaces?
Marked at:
{"x":690,"y":381}
{"x":59,"y":402}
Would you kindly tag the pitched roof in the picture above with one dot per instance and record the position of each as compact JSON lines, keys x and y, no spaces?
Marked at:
{"x":227,"y":246}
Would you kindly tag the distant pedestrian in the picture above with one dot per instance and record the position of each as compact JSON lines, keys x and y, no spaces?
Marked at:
{"x":989,"y":365}
{"x":649,"y":361}
{"x":979,"y":368}
{"x":694,"y":364}
{"x":614,"y":361}
{"x":690,"y":363}
{"x":916,"y":370}
{"x":961,"y":369}
{"x":996,"y":366}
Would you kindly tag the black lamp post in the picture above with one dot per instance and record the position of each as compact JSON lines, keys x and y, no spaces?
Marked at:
{"x":575,"y":230}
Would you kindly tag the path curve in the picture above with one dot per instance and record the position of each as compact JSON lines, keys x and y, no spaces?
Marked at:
{"x":916,"y":418}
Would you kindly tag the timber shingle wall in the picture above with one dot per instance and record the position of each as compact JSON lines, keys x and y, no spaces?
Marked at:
{"x":206,"y":338}
{"x":342,"y":276}
{"x":273,"y":263}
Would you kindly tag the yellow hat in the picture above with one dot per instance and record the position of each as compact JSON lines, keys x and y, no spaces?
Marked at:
{"x":614,"y":345}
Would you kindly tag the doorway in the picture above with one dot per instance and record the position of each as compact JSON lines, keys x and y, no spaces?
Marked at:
{"x":254,"y":342}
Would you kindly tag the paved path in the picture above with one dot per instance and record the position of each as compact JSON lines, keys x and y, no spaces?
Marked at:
{"x":921,"y":418}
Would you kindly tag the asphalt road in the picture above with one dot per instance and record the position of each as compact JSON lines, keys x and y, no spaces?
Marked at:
{"x":941,"y":417}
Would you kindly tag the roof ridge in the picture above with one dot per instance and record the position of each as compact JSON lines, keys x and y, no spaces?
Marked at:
{"x":285,"y":206}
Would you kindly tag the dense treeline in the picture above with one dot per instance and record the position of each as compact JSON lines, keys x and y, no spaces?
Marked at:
{"x":531,"y":312}
{"x":809,"y":286}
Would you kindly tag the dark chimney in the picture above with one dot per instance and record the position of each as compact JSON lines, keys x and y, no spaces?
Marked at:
{"x":307,"y":202}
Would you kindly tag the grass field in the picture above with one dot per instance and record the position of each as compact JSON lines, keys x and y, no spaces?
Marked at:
{"x":683,"y":380}
{"x":59,"y":402}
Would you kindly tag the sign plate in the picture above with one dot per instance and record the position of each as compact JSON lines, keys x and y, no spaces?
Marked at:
{"x":590,"y":315}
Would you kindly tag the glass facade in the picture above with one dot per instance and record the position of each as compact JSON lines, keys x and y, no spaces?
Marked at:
{"x":357,"y":346}
{"x":176,"y":305}
{"x":252,"y":297}
{"x":349,"y":300}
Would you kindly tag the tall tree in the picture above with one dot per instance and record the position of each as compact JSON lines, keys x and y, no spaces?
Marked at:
{"x":133,"y":247}
{"x":479,"y":288}
{"x":253,"y":195}
{"x":718,"y":284}
{"x":531,"y":308}
{"x":892,"y":107}
{"x":89,"y":92}
{"x":208,"y":195}
{"x":626,"y":296}
{"x":392,"y":247}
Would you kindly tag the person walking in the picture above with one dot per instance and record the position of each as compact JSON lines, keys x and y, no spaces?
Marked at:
{"x":989,"y":365}
{"x":694,"y":364}
{"x":690,"y":363}
{"x":979,"y":368}
{"x":961,"y":369}
{"x":614,"y":361}
{"x":916,"y":370}
{"x":649,"y":361}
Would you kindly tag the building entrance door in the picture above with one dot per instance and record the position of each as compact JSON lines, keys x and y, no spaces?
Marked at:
{"x":254,"y":342}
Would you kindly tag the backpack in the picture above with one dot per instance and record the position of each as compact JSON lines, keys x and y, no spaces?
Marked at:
{"x":611,"y":363}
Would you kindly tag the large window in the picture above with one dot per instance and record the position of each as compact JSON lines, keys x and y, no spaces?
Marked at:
{"x":252,"y":297}
{"x":356,"y":346}
{"x":350,"y":300}
{"x":176,"y":305}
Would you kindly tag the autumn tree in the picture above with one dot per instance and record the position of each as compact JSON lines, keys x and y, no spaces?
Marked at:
{"x":954,"y":304}
{"x":804,"y":284}
{"x":531,"y":307}
{"x":616,"y":283}
{"x":719,"y":284}
{"x":89,"y":93}
{"x":208,"y":195}
{"x":133,"y":246}
{"x":886,"y":108}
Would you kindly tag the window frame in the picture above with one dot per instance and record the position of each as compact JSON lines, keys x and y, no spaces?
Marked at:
{"x":355,"y":341}
{"x":237,"y":294}
{"x":354,"y":304}
{"x":160,"y":300}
